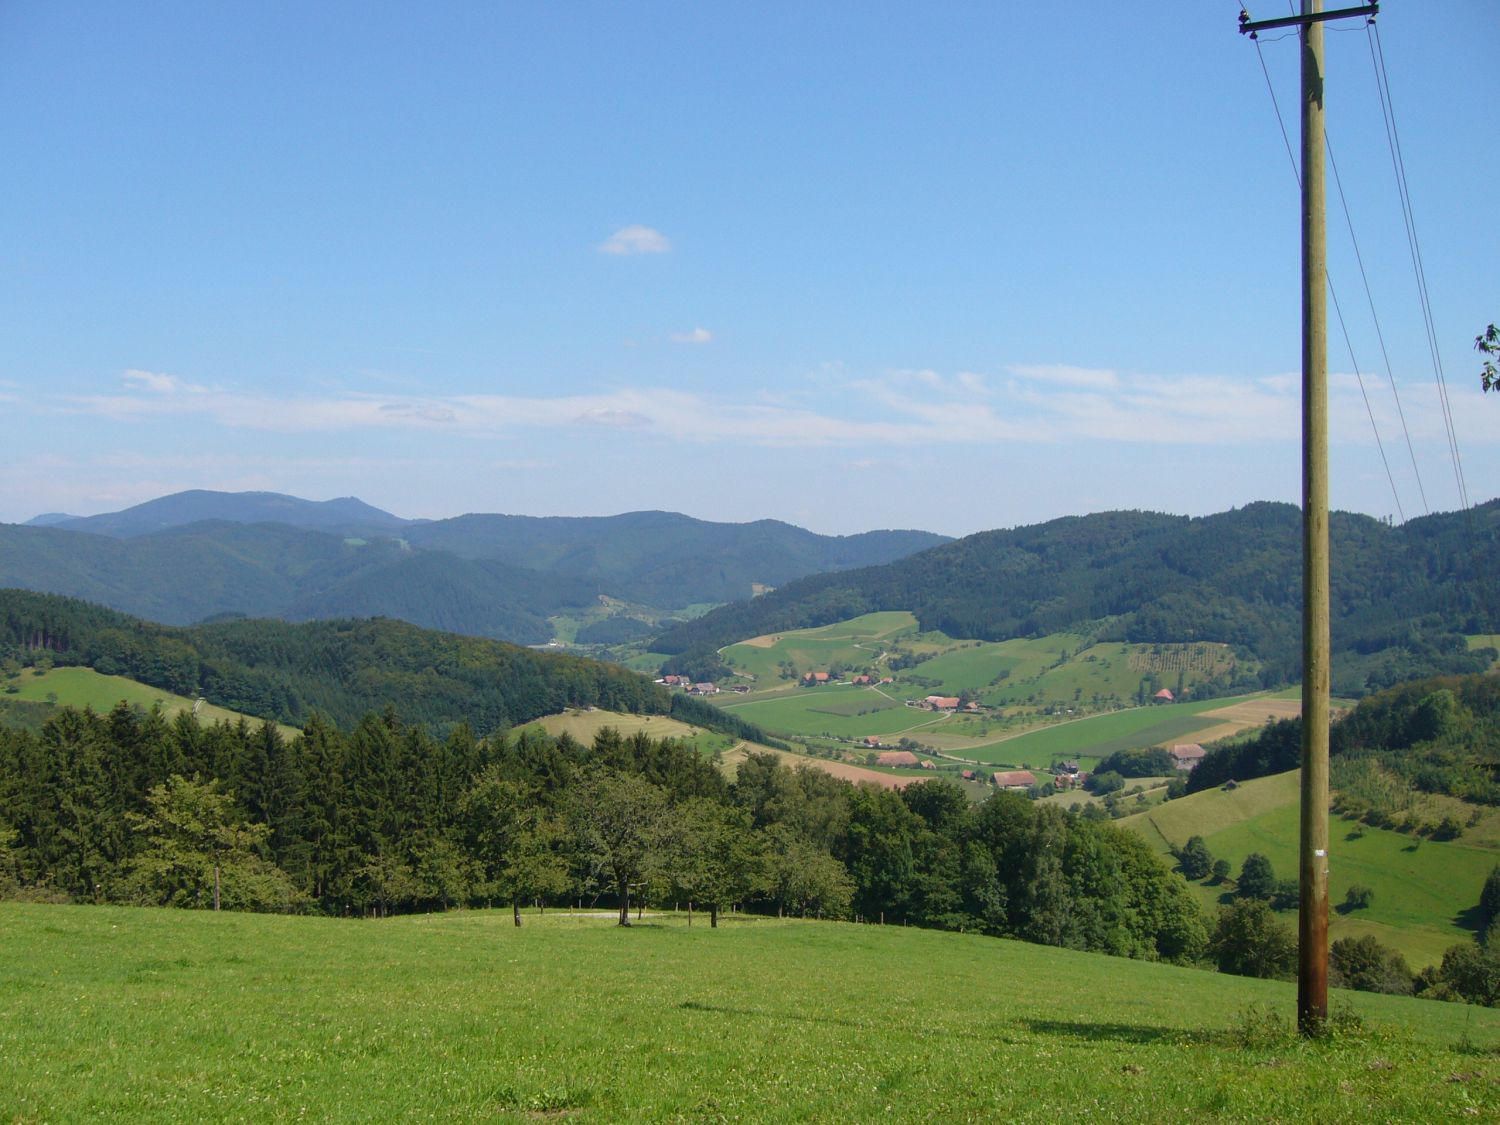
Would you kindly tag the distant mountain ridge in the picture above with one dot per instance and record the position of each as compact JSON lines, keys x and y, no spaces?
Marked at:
{"x":1401,"y":596}
{"x":200,"y":555}
{"x":346,"y":515}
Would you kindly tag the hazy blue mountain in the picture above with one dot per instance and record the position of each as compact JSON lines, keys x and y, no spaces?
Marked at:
{"x":664,"y":558}
{"x":260,"y":555}
{"x":345,"y":516}
{"x":49,"y":519}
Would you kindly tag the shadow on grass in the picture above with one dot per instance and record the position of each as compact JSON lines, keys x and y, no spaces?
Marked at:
{"x":1469,"y":918}
{"x":1083,"y":1029}
{"x":1096,"y":1032}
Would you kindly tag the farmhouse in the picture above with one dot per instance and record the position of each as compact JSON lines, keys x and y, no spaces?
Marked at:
{"x":872,"y":740}
{"x":861,"y":679}
{"x":942,"y":702}
{"x":704,"y":689}
{"x":1187,"y":755}
{"x":815,"y":677}
{"x":1014,"y":780}
{"x":676,"y":681}
{"x":1164,"y":696}
{"x":904,"y":758}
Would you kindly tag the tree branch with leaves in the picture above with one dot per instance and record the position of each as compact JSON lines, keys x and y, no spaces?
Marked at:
{"x":1488,"y":345}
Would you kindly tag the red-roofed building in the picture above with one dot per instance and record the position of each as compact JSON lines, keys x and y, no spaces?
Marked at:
{"x":1187,"y":755}
{"x":942,"y":702}
{"x":904,"y":758}
{"x":1014,"y":779}
{"x":1164,"y":696}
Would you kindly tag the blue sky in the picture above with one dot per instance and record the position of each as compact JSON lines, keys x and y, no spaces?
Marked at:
{"x":846,"y":265}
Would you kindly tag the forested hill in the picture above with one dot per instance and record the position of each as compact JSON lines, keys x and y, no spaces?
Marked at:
{"x":1401,"y":595}
{"x":197,"y":555}
{"x":342,"y":670}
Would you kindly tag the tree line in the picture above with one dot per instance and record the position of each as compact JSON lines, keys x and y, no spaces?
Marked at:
{"x":131,"y":806}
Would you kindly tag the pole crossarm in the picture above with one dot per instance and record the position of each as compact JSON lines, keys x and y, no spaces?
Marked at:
{"x":1250,"y":27}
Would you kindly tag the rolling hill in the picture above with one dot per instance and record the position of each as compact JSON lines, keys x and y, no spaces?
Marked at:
{"x":1403,"y":597}
{"x":341,"y":669}
{"x":199,"y":555}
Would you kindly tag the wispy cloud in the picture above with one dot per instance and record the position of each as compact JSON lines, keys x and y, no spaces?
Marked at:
{"x":696,"y":336}
{"x":161,"y":384}
{"x":907,"y":408}
{"x":1062,"y":375}
{"x":636,"y":239}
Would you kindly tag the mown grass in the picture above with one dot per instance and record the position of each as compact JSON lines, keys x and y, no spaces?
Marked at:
{"x":84,"y":687}
{"x":140,"y":1015}
{"x":583,"y":725}
{"x":1101,"y":735}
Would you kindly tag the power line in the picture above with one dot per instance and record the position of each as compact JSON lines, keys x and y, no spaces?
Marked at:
{"x":1393,"y":140}
{"x":1337,"y":307}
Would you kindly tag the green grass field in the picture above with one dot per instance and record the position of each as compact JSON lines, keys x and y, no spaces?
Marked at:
{"x":584,"y":725}
{"x":858,"y":641}
{"x":842,"y":711}
{"x":149,"y":1015}
{"x":1096,"y":736}
{"x":1422,"y":887}
{"x":1030,"y":686}
{"x":83,"y":687}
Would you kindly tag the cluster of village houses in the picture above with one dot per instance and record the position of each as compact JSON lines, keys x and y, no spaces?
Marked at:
{"x":1065,"y":776}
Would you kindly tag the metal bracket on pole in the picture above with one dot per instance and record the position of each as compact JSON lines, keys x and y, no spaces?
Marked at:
{"x":1250,"y":27}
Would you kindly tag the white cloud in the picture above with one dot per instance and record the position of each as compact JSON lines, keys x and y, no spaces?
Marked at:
{"x":696,"y":336}
{"x":1061,"y":374}
{"x":161,"y":384}
{"x":900,"y":408}
{"x":636,"y":239}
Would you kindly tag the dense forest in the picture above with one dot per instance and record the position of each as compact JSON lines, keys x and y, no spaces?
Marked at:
{"x":1402,"y":597}
{"x":131,"y":807}
{"x":338,"y":669}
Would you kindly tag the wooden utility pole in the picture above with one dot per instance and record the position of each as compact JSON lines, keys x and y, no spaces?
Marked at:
{"x":1312,"y":915}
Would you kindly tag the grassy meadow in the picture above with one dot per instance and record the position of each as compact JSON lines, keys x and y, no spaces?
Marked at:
{"x":1059,"y":696}
{"x":1423,"y":888}
{"x":151,"y":1015}
{"x":84,"y":687}
{"x":584,"y":725}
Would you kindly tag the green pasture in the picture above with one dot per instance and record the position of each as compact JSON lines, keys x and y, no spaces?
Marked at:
{"x":1097,"y":736}
{"x":130,"y":1015}
{"x":835,"y":710}
{"x":1422,"y":887}
{"x":84,"y":687}
{"x":1022,"y":679}
{"x":584,"y":725}
{"x":858,"y":641}
{"x":973,"y":666}
{"x":1063,"y":668}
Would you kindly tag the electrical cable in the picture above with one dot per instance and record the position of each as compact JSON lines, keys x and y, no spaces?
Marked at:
{"x":1333,"y":294}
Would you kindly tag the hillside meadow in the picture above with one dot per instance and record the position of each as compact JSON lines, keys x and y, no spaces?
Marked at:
{"x":1060,"y":695}
{"x":153,"y":1015}
{"x":1424,"y":888}
{"x":84,"y":687}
